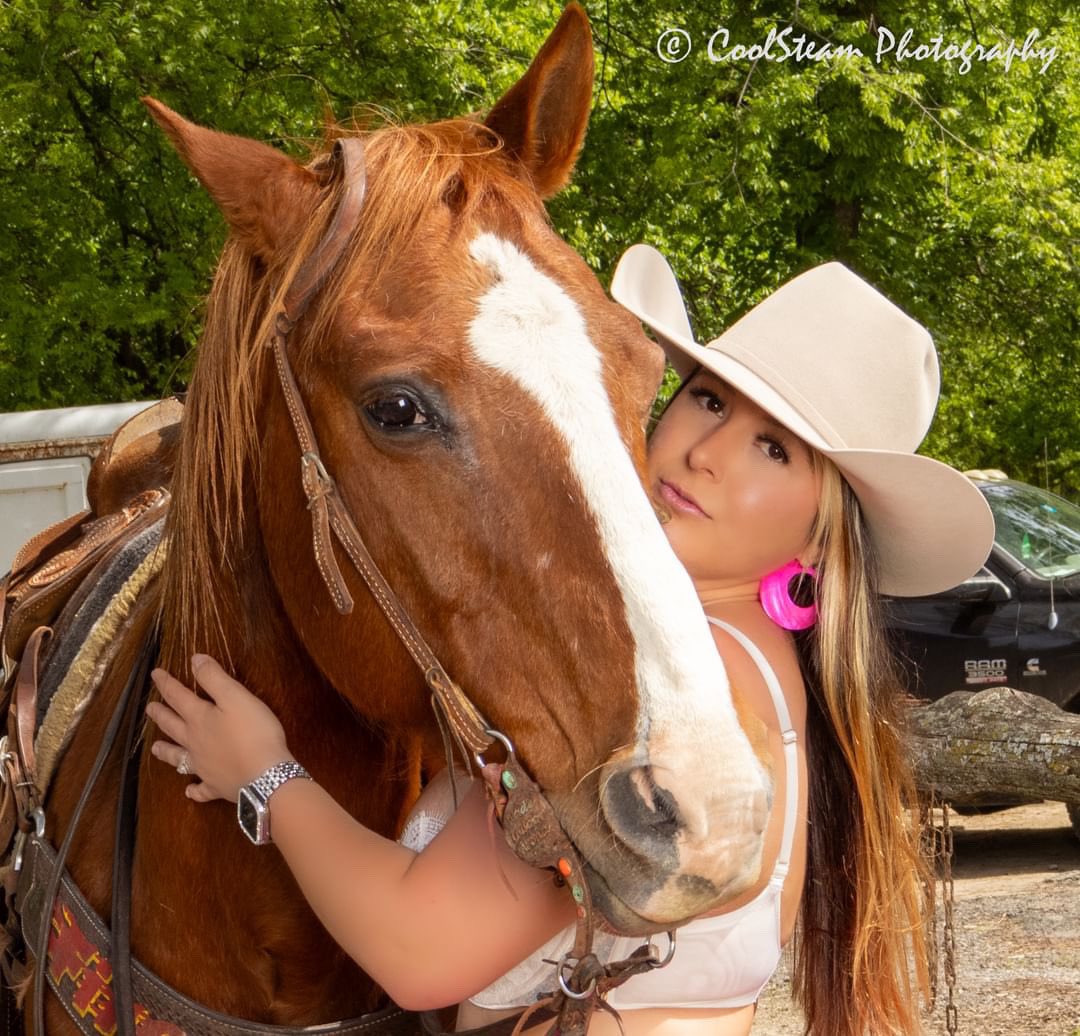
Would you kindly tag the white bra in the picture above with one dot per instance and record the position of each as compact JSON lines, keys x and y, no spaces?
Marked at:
{"x":720,"y":962}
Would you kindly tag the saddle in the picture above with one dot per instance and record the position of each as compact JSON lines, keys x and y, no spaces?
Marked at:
{"x":129,"y":475}
{"x":127,"y":493}
{"x":51,"y":586}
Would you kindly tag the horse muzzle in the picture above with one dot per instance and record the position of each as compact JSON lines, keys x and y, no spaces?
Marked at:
{"x":665,"y":846}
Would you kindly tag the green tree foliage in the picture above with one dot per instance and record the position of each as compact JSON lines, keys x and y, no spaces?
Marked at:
{"x":953,"y":191}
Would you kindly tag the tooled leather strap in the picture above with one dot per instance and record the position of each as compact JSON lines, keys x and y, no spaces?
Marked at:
{"x":78,"y":967}
{"x":57,"y":536}
{"x":26,"y":560}
{"x":24,"y":705}
{"x":17,"y":761}
{"x":329,"y":515}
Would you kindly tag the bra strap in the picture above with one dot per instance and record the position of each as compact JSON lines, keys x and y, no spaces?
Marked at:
{"x":791,"y":757}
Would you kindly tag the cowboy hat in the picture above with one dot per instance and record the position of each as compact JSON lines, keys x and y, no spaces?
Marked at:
{"x":856,"y":378}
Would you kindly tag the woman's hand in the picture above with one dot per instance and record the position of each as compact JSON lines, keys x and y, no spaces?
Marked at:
{"x":227,"y":741}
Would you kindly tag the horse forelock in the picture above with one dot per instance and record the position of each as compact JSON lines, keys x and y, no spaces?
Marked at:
{"x":412,"y":171}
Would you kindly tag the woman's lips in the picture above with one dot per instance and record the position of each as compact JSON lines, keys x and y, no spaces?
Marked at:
{"x":680,"y":499}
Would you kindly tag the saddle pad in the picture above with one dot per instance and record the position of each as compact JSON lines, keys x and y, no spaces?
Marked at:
{"x":91,"y":637}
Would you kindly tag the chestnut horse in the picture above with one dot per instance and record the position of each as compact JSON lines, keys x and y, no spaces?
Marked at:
{"x":481,"y":404}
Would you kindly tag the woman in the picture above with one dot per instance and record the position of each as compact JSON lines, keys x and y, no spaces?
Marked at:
{"x":787,"y":451}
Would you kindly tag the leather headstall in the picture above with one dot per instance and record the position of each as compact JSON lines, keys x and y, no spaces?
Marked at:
{"x":531,"y":827}
{"x":329,"y":513}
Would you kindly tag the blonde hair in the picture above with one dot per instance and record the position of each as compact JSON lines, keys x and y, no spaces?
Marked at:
{"x":860,"y":945}
{"x":860,"y":959}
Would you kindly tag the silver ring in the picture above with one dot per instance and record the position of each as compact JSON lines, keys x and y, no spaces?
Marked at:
{"x":655,"y":960}
{"x":496,"y":735}
{"x":569,"y":961}
{"x":184,"y":766}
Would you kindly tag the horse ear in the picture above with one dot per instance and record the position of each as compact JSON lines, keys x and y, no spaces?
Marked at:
{"x":264,"y":195}
{"x":542,"y":117}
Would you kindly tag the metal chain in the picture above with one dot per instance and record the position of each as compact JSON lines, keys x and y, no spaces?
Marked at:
{"x":937,"y":843}
{"x":928,"y":840}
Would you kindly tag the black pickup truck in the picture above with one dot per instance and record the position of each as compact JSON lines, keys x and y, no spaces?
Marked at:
{"x":1015,"y":623}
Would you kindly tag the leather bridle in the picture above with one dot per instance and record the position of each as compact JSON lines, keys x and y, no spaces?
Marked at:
{"x":329,"y":513}
{"x":529,"y":823}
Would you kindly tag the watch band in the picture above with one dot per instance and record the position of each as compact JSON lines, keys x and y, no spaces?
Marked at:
{"x":268,"y":782}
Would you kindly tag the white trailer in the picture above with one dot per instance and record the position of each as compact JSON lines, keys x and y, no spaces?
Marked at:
{"x":45,"y":459}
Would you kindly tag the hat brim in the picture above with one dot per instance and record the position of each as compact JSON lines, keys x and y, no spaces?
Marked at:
{"x":930,"y":525}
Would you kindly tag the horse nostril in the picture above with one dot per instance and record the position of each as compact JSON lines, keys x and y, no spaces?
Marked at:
{"x":639,"y":809}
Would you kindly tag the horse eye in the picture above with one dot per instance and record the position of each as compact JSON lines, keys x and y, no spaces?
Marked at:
{"x":396,"y":410}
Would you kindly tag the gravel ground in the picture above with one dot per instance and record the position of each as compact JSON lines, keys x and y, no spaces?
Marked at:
{"x":1017,"y":878}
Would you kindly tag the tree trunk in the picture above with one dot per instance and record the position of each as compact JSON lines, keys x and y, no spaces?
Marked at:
{"x":995,"y":746}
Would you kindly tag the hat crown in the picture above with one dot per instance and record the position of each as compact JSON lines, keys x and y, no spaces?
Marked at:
{"x":857,"y":369}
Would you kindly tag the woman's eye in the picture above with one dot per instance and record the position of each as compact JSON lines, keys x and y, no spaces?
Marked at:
{"x":774,"y":451}
{"x":396,"y":410}
{"x":709,"y":400}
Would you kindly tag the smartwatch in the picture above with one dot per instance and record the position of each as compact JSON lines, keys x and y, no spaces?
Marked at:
{"x":253,"y":800}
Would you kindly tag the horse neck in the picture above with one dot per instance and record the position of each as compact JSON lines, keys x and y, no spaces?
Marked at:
{"x":254,"y":639}
{"x":373,"y":776}
{"x":256,"y":940}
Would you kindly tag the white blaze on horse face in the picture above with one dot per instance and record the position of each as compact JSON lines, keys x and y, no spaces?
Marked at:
{"x":529,"y":328}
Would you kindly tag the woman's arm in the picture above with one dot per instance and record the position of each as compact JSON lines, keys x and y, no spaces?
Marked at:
{"x":432,"y":928}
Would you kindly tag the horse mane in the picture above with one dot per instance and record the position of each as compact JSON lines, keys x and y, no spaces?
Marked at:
{"x":412,"y":169}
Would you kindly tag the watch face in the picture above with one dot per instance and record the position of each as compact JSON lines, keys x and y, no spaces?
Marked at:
{"x":253,"y":817}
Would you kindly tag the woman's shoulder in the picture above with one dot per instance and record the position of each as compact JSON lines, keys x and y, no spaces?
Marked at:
{"x":778,"y":650}
{"x":750,"y":689}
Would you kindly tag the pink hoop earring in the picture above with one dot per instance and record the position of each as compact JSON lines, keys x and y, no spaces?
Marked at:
{"x":775,"y":596}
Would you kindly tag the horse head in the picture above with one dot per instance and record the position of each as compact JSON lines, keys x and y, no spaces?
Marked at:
{"x":481,"y":405}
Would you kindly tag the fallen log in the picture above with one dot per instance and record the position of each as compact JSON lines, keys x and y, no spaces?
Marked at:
{"x":994,"y":747}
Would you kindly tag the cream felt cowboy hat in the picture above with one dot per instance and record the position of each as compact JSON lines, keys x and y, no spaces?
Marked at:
{"x":855,"y":377}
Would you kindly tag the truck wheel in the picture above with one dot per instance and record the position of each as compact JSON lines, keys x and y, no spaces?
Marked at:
{"x":1074,"y":816}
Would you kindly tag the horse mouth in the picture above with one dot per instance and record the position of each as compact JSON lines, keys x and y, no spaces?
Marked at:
{"x":648,"y":870}
{"x":623,"y":919}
